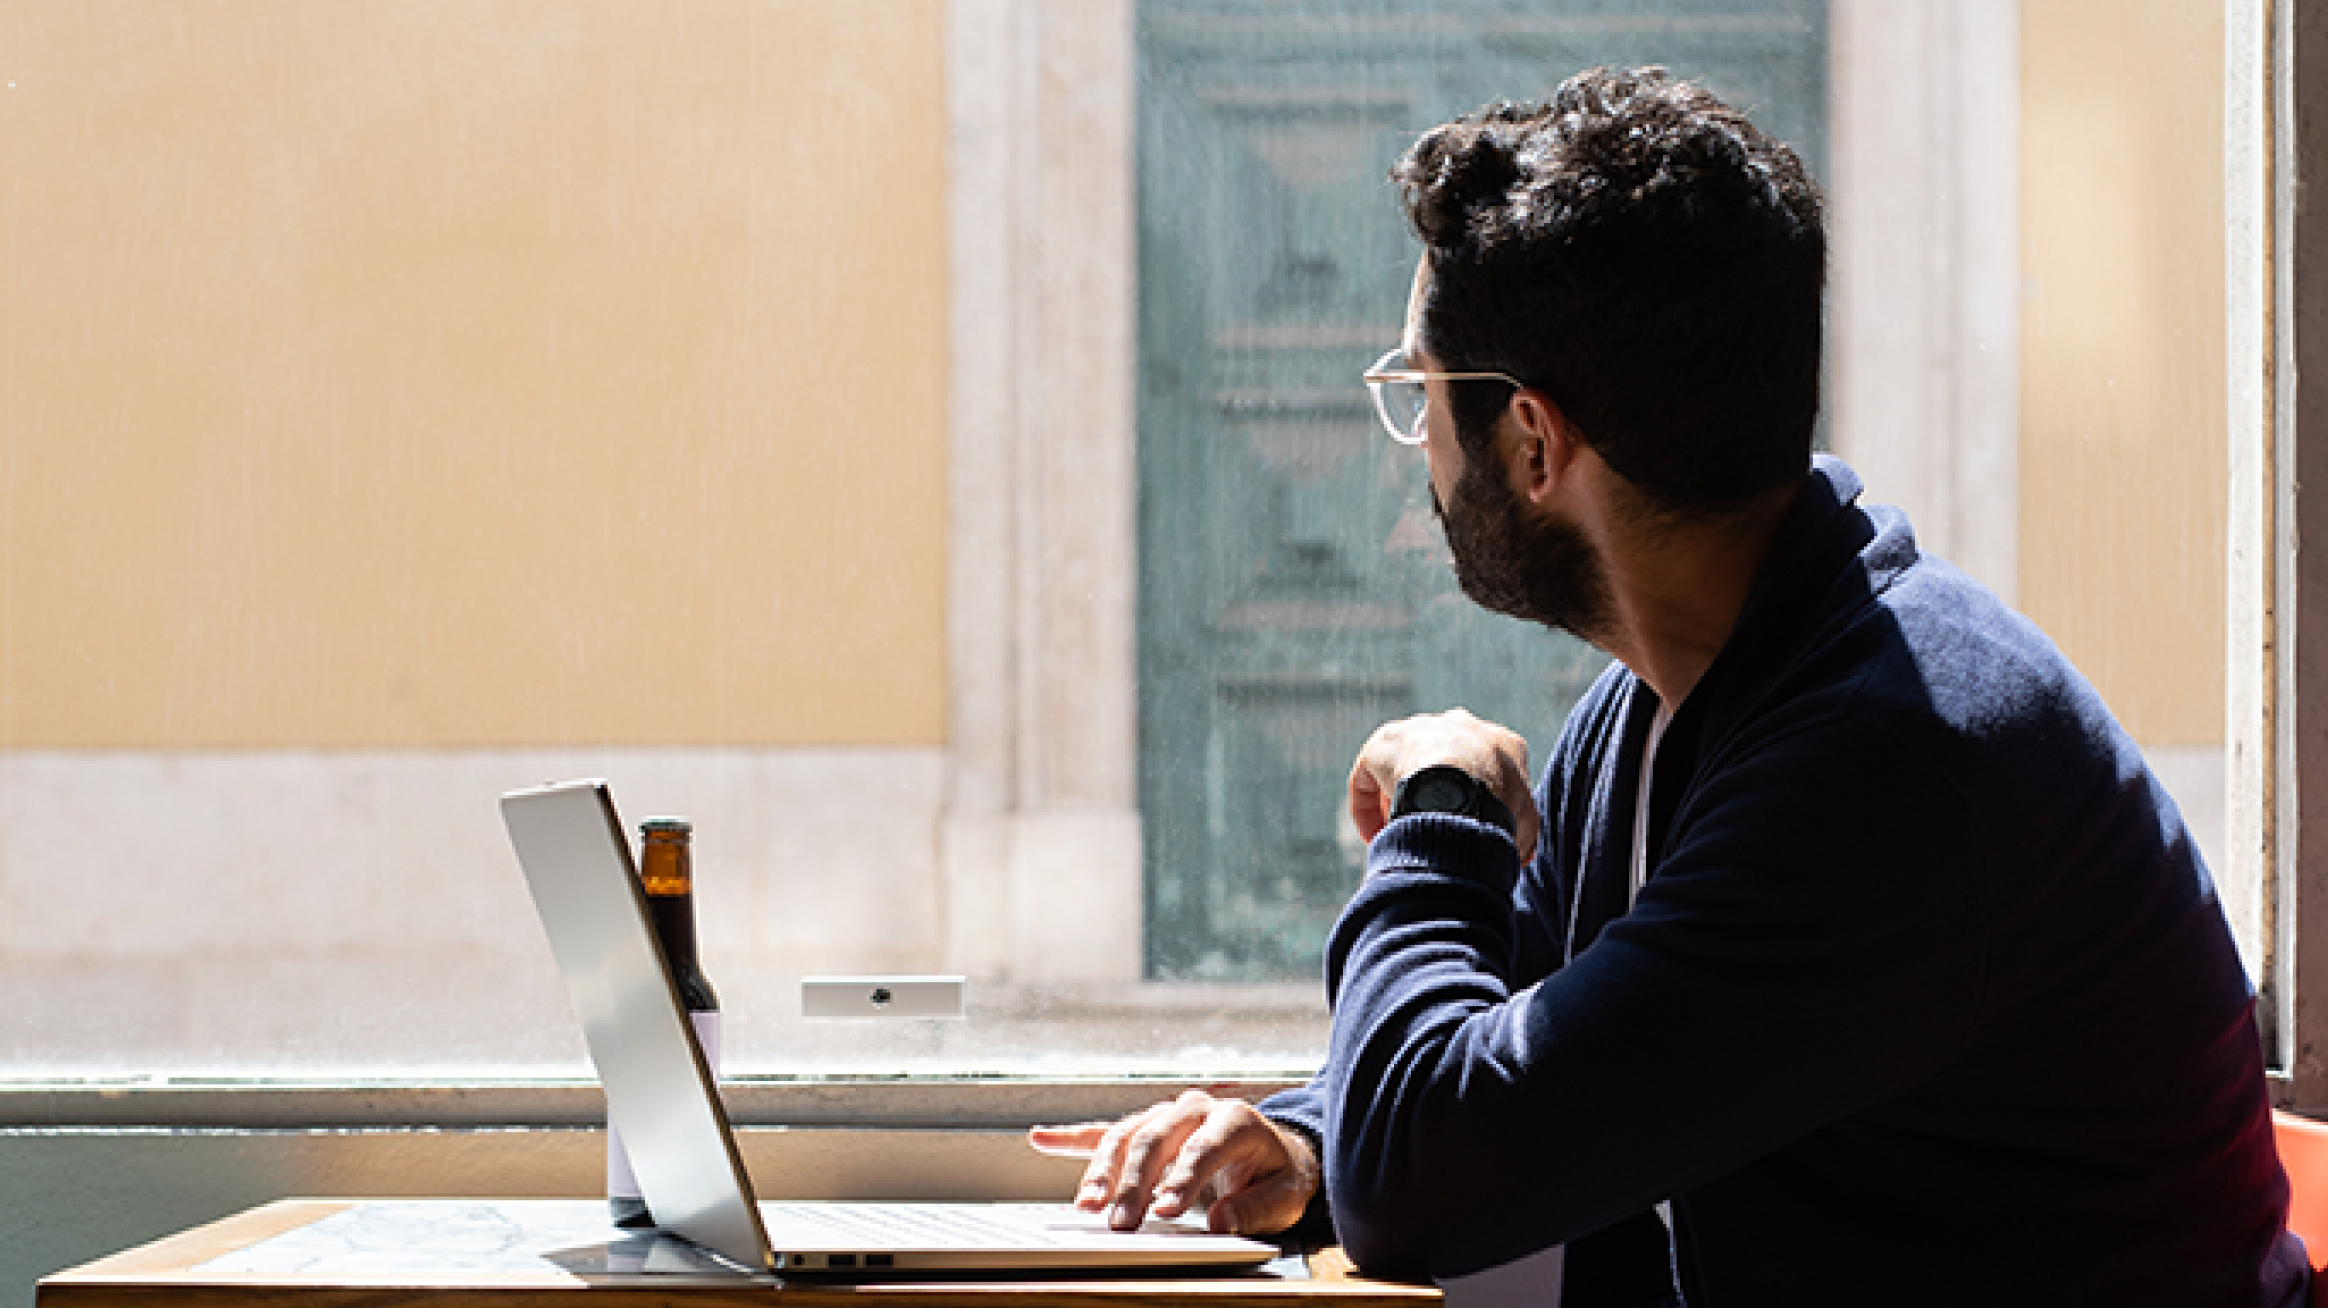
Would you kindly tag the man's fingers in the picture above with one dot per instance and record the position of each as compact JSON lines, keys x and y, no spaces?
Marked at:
{"x":1154,"y":1141}
{"x":1252,"y":1176}
{"x":1373,"y":780}
{"x":1126,"y":1155}
{"x":1369,"y":805}
{"x":1528,"y":829}
{"x":1081,"y":1140}
{"x":1220,"y":1154}
{"x":1078,"y":1141}
{"x":1213,"y":1151}
{"x":1102,"y":1142}
{"x":1511,"y":786}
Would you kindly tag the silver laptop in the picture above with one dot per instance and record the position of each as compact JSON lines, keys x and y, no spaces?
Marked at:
{"x":662,"y":1096}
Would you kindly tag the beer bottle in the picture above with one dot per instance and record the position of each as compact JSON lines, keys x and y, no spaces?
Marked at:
{"x":668,"y":873}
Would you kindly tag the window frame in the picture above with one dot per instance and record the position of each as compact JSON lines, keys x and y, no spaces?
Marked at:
{"x":2276,"y":65}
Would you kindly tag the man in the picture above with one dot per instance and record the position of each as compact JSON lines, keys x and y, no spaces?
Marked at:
{"x":1844,"y":922}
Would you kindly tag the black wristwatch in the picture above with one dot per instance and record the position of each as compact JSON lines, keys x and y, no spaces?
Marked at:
{"x":1445,"y":788}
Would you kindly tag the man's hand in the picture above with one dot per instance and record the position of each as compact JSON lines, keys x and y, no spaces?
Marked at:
{"x":1398,"y":750}
{"x":1172,"y":1156}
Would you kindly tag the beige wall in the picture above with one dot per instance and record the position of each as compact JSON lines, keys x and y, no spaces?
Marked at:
{"x":2123,"y":451}
{"x":437,"y":373}
{"x":456,"y":373}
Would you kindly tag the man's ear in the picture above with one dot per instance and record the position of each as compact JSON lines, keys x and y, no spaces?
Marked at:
{"x":1540,"y":448}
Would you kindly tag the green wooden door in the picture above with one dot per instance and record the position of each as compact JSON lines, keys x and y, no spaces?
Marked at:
{"x":1294,"y":587}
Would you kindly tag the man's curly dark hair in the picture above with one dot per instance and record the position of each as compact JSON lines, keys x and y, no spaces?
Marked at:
{"x":1640,"y":252}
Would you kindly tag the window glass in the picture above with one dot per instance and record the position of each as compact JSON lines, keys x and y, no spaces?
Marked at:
{"x":921,"y":443}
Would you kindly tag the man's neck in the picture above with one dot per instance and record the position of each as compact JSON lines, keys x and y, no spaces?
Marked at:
{"x":1676,"y":591}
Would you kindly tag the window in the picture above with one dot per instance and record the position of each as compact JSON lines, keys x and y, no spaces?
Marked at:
{"x":920,"y":442}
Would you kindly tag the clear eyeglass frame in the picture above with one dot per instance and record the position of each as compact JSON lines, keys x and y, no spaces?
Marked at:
{"x":1399,"y":393}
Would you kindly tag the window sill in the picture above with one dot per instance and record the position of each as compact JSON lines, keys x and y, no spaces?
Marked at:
{"x":900,"y":1102}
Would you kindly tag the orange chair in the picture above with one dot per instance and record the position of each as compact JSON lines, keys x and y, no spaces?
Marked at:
{"x":2303,"y":1151}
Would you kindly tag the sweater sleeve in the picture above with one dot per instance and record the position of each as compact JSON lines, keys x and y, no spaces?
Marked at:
{"x":1538,"y":918}
{"x":1808,"y":943}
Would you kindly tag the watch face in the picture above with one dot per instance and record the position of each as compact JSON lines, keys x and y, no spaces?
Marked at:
{"x":1439,"y":793}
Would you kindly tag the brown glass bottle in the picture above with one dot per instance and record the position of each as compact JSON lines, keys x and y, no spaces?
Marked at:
{"x":667,"y":871}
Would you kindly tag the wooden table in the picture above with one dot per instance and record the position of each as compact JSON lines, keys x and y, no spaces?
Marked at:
{"x":256,"y":1257}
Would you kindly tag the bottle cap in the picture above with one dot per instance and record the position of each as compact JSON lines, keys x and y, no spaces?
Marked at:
{"x":676,"y":824}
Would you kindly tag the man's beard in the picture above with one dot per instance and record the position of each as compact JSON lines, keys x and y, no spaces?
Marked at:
{"x":1542,"y":571}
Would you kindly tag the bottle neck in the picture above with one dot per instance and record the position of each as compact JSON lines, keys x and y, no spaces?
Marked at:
{"x":669,"y":878}
{"x":665,"y":867}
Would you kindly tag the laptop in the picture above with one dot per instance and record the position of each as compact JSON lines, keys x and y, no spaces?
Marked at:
{"x":661,"y":1095}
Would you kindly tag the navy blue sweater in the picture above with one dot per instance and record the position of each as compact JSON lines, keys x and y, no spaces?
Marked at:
{"x":1928,"y":997}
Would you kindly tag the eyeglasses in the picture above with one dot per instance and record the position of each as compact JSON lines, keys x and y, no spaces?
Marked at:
{"x":1399,"y":393}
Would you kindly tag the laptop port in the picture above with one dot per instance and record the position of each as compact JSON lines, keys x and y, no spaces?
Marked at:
{"x":881,"y":1260}
{"x":840,"y":1260}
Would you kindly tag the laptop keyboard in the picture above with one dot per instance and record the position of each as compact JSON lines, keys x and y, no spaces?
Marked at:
{"x":924,"y":1226}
